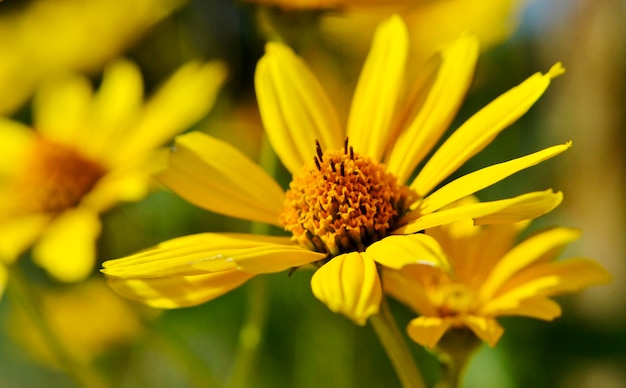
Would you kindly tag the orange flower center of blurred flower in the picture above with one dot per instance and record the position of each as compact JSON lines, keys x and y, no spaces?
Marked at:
{"x":342,"y":202}
{"x":55,"y":177}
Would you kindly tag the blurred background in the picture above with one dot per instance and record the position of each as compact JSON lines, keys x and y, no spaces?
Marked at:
{"x":302,"y":343}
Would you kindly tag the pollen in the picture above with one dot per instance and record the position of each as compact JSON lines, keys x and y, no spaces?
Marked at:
{"x":55,"y":177}
{"x":342,"y":202}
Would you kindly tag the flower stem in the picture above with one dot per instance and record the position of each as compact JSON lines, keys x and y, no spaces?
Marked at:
{"x":396,"y":348}
{"x":251,"y":332}
{"x":24,"y":297}
{"x":454,"y":351}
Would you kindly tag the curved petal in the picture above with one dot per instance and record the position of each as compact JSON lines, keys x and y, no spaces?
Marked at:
{"x":67,"y":248}
{"x":61,"y":107}
{"x":184,"y":99}
{"x":20,"y":233}
{"x":397,"y":251}
{"x":525,"y":253}
{"x":294,"y":108}
{"x":485,"y":328}
{"x":427,"y":331}
{"x":15,"y":139}
{"x":479,"y":130}
{"x":179,"y":291}
{"x":117,"y":102}
{"x":433,"y":104}
{"x":514,"y":209}
{"x":478,"y":180}
{"x":212,"y":252}
{"x":378,"y":89}
{"x":216,"y":176}
{"x":349,"y":284}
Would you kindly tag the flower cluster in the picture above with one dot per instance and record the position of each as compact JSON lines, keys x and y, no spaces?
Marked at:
{"x":366,"y":195}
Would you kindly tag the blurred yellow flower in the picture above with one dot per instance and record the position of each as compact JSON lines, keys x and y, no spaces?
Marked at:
{"x":88,"y":319}
{"x":490,"y":276}
{"x":327,"y":4}
{"x":43,"y":36}
{"x":87,"y":152}
{"x":430,"y":23}
{"x":344,"y":207}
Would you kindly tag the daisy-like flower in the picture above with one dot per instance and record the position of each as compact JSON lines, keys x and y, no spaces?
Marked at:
{"x":346,"y":210}
{"x":87,"y":152}
{"x":490,"y":276}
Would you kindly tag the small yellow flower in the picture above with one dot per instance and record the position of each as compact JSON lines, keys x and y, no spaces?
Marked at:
{"x":490,"y":276}
{"x":348,"y":206}
{"x":87,"y":152}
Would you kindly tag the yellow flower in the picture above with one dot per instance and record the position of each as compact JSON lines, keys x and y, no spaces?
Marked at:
{"x":490,"y":276}
{"x":40,"y":37}
{"x":88,"y":152}
{"x":345,"y":209}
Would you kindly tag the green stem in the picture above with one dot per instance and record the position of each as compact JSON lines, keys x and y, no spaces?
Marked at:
{"x":396,"y":348}
{"x":24,"y":297}
{"x":454,"y":351}
{"x":251,"y":332}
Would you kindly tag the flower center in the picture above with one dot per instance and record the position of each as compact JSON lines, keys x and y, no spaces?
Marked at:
{"x":342,"y":202}
{"x":55,"y":177}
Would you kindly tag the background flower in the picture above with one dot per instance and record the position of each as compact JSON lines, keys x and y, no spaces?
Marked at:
{"x":88,"y":152}
{"x":490,"y":277}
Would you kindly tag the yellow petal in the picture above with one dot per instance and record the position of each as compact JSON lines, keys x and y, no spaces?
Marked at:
{"x":216,"y":176}
{"x":477,"y":132}
{"x":427,"y":331}
{"x":397,"y":251}
{"x":67,"y":249}
{"x":212,"y":252}
{"x":179,"y":291}
{"x":548,"y":279}
{"x":184,"y":99}
{"x":408,"y":288}
{"x":294,"y":108}
{"x":117,"y":102}
{"x":519,"y":208}
{"x":512,"y":299}
{"x":127,"y":183}
{"x":15,"y":139}
{"x":529,"y":206}
{"x":478,"y":180}
{"x":538,"y":308}
{"x":524,"y":254}
{"x":61,"y":107}
{"x":349,"y":284}
{"x":378,"y":89}
{"x":485,"y":328}
{"x":4,"y":277}
{"x":19,"y":234}
{"x":433,"y":105}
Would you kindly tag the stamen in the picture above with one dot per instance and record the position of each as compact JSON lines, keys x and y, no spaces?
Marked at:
{"x":318,"y":150}
{"x":342,"y":202}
